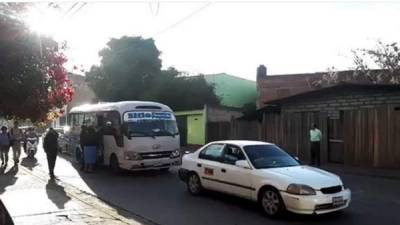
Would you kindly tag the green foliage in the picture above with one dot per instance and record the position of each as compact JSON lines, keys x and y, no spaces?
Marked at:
{"x":131,"y":70}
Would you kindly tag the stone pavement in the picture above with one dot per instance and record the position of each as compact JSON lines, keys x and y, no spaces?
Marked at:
{"x":33,"y":199}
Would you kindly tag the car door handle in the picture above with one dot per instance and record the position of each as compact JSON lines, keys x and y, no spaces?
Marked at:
{"x":223,"y":170}
{"x":198,"y":165}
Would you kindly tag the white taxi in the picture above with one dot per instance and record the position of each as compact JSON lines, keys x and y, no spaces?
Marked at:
{"x":264,"y":173}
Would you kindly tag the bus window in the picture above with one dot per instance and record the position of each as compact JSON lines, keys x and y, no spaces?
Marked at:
{"x":77,"y":119}
{"x":90,"y":119}
{"x":114,"y":118}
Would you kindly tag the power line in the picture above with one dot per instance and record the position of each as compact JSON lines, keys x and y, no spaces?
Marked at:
{"x":69,"y":10}
{"x":184,"y":18}
{"x":80,"y":8}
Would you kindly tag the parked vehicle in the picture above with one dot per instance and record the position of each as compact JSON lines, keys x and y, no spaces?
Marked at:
{"x":264,"y":173}
{"x":31,"y":146}
{"x":134,"y":135}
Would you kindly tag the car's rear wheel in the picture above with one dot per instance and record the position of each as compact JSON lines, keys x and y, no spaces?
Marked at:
{"x":194,"y":184}
{"x":272,"y":203}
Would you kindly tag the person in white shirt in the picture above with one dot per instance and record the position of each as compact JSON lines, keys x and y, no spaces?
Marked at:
{"x":315,"y":139}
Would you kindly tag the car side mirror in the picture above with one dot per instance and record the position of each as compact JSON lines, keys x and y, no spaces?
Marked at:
{"x":243,"y":164}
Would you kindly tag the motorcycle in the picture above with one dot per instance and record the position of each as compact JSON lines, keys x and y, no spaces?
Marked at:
{"x":31,"y":147}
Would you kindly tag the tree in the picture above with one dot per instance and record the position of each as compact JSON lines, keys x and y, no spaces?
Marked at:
{"x":130,"y":69}
{"x":33,"y":80}
{"x":377,"y":66}
{"x":385,"y":57}
{"x":128,"y":66}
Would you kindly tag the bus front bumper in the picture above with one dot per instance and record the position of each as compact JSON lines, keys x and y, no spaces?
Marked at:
{"x":149,"y":164}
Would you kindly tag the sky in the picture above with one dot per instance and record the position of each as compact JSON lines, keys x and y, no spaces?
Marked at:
{"x":222,"y":37}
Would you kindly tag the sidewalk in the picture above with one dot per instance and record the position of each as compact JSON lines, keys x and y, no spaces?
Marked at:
{"x":362,"y":171}
{"x":32,"y":199}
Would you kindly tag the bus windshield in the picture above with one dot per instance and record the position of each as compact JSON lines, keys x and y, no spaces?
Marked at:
{"x":150,"y":124}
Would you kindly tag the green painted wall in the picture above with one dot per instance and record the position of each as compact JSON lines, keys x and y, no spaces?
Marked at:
{"x":196,"y":128}
{"x":233,"y":91}
{"x":196,"y":134}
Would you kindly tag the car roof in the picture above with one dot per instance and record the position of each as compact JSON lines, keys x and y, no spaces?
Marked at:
{"x":241,"y":143}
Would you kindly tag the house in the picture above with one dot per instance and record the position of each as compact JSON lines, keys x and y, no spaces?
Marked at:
{"x":197,"y":127}
{"x":360,"y":121}
{"x":210,"y":123}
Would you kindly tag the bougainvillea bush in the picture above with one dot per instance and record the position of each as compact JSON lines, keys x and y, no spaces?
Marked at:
{"x":33,"y":79}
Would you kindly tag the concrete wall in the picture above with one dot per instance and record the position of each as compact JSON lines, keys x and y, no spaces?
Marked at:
{"x":220,"y":114}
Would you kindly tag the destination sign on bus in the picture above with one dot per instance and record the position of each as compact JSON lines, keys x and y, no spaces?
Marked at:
{"x":135,"y":116}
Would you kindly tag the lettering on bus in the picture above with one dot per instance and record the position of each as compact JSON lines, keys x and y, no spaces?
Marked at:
{"x":135,"y":116}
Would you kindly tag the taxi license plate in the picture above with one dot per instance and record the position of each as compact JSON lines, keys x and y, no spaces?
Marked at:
{"x":337,"y":201}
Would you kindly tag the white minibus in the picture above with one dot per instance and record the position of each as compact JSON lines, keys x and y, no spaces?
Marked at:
{"x":133,"y":135}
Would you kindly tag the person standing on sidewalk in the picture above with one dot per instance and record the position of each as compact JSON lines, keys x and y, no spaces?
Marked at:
{"x":90,"y":149}
{"x":50,"y":145}
{"x":315,"y":139}
{"x":16,"y":136}
{"x":5,"y":143}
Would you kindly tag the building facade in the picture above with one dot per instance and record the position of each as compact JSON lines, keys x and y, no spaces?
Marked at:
{"x":360,"y":124}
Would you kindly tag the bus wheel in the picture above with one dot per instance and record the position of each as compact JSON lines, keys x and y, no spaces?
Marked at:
{"x":114,"y":164}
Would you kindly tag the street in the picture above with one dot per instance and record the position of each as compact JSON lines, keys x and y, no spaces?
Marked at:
{"x":160,"y":197}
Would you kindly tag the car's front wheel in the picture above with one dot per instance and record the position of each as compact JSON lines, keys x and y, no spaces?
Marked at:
{"x":194,"y":184}
{"x":272,"y":203}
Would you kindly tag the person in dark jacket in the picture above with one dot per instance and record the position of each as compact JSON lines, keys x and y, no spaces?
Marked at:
{"x":5,"y":143}
{"x":50,"y":145}
{"x":90,"y":148}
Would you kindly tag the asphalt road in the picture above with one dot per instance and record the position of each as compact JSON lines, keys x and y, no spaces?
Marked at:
{"x":162,"y":198}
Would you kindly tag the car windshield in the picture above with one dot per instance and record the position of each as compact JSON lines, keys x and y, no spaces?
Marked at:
{"x":151,"y":128}
{"x":269,"y":156}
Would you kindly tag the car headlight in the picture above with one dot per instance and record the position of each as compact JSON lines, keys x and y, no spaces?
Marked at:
{"x":300,"y":189}
{"x":129,"y":155}
{"x":175,"y":154}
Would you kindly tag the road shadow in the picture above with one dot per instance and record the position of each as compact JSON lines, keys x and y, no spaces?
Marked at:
{"x":7,"y":178}
{"x":29,"y":163}
{"x":57,"y":194}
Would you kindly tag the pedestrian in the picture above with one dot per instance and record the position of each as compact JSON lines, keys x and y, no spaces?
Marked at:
{"x":90,"y":149}
{"x":5,"y":143}
{"x":79,"y":154}
{"x":50,"y":145}
{"x":315,"y":139}
{"x":16,"y":136}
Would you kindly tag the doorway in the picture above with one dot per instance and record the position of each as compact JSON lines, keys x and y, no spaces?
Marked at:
{"x":335,"y":139}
